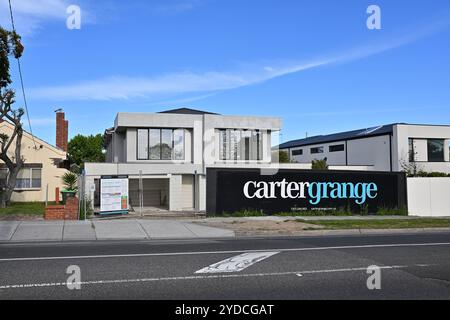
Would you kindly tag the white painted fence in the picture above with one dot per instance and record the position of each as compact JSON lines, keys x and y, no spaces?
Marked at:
{"x":429,"y":197}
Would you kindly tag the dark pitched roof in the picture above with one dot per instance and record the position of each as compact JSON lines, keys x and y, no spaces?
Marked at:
{"x":186,"y":111}
{"x":341,"y":136}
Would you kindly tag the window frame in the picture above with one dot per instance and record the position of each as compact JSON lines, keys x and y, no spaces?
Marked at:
{"x":147,"y":146}
{"x":443,"y":150}
{"x":240,"y":136}
{"x":332,"y":148}
{"x":319,"y":150}
{"x":299,"y":152}
{"x":172,"y":144}
{"x":30,"y":179}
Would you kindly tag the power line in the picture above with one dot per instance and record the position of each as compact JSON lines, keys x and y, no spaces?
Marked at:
{"x":21,"y":78}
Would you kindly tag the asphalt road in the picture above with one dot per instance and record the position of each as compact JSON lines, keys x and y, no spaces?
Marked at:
{"x":412,"y":267}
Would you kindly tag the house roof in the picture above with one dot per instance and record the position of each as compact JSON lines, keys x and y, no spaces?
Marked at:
{"x":341,"y":136}
{"x":39,"y":140}
{"x":186,"y":111}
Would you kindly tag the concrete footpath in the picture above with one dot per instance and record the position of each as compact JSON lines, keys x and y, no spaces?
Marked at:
{"x":106,"y":230}
{"x":141,"y":229}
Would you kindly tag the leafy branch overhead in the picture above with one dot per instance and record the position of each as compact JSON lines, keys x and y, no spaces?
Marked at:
{"x":10,"y":45}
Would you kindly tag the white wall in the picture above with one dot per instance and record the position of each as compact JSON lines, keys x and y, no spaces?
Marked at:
{"x":429,"y":197}
{"x":187,"y":188}
{"x":402,"y":133}
{"x":372,"y":152}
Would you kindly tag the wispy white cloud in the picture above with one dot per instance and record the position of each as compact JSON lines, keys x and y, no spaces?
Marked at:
{"x":30,"y":15}
{"x":122,"y":87}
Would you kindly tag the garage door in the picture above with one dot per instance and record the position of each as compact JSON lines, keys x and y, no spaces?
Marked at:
{"x":155,"y":193}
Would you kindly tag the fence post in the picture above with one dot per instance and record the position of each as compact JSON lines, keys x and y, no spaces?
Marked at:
{"x":141,"y":193}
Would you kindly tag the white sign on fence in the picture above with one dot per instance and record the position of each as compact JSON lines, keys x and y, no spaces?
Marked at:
{"x":113,"y":194}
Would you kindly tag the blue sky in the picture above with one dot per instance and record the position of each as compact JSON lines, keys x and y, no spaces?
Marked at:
{"x":313,"y":63}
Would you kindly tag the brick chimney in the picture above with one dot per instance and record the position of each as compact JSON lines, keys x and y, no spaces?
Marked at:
{"x":62,"y":130}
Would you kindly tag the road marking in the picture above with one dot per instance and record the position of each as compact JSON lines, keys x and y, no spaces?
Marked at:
{"x":225,"y":252}
{"x":237,"y":263}
{"x":218,"y":276}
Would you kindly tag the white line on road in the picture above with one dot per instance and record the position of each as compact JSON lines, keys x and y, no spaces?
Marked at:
{"x":219,"y":276}
{"x":237,"y":263}
{"x":226,"y":252}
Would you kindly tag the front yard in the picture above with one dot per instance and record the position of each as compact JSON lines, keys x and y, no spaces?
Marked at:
{"x":23,"y":211}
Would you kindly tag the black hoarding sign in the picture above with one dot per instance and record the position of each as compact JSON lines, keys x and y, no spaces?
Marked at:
{"x":233,"y":190}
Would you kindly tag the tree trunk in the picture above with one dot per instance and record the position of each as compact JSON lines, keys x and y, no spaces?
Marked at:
{"x":13,"y":168}
{"x":10,"y":186}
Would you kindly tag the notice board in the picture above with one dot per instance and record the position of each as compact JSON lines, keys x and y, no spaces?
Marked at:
{"x":113,"y":194}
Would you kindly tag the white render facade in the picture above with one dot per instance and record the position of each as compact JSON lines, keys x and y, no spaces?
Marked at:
{"x":171,"y":150}
{"x":383,"y":148}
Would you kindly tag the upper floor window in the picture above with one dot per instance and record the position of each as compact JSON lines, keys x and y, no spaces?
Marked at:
{"x":317,"y":150}
{"x":160,"y":144}
{"x":435,"y":150}
{"x":336,"y":148}
{"x":240,"y":144}
{"x":297,"y":152}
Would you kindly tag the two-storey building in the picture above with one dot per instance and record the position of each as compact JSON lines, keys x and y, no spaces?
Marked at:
{"x":165,"y":154}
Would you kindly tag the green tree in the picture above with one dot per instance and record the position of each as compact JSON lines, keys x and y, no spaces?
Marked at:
{"x":319,"y":164}
{"x":83,"y":149}
{"x":283,"y":157}
{"x":10,"y":45}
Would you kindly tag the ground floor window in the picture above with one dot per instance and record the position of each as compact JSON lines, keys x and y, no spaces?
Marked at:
{"x":28,"y":178}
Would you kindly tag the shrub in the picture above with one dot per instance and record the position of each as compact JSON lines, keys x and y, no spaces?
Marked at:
{"x":432,"y":174}
{"x":319,"y":164}
{"x":70,"y":180}
{"x":283,"y":157}
{"x":89,"y":212}
{"x":385,"y":211}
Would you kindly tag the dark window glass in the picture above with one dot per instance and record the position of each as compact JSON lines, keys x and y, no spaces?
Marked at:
{"x":223,"y":145}
{"x":411,"y":151}
{"x":259,"y":148}
{"x":317,"y":150}
{"x":297,"y":152}
{"x":435,"y":150}
{"x":336,"y":148}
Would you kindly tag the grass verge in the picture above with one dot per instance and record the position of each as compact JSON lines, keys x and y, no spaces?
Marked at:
{"x":24,"y":208}
{"x":381,"y":224}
